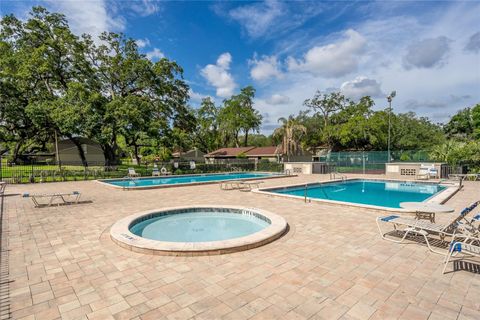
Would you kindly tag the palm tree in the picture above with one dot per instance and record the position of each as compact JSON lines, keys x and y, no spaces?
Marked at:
{"x":291,"y":133}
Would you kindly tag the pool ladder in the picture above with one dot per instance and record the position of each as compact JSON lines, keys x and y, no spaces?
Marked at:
{"x":333,"y":176}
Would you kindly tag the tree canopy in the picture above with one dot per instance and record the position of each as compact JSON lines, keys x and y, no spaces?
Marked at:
{"x":55,"y":83}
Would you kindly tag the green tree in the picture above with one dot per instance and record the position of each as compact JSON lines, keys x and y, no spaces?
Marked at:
{"x":476,"y":121}
{"x":460,"y":125}
{"x":326,"y":105}
{"x":39,"y":57}
{"x":352,"y":125}
{"x":207,"y":134}
{"x":238,"y":115}
{"x":290,"y":133}
{"x":142,"y":98}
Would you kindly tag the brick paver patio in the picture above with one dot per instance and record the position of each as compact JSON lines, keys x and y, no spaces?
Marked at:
{"x":331,"y":264}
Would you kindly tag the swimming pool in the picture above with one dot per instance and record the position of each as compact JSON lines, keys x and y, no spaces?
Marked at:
{"x":166,"y":181}
{"x":374,"y":193}
{"x":197,"y":230}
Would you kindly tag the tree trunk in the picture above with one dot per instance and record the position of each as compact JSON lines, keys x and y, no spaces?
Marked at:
{"x":109,"y":151}
{"x":236,"y":140}
{"x":245,"y":142}
{"x":81,"y":152}
{"x":137,"y":156}
{"x":16,"y":151}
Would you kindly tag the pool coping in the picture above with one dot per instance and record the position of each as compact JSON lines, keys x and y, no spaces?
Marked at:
{"x":272,"y":176}
{"x":121,"y":235}
{"x":441,"y":197}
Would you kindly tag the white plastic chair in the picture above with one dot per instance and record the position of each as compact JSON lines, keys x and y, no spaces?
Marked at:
{"x":468,"y":246}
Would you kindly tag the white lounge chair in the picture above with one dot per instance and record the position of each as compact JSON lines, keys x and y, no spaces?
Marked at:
{"x":192,"y":165}
{"x":469,"y":246}
{"x":459,"y":226}
{"x":131,"y":173}
{"x":427,"y":171}
{"x":53,"y":196}
{"x":250,"y":185}
{"x":423,"y":172}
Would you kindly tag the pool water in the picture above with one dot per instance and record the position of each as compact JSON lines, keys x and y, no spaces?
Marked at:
{"x":199,"y":226}
{"x":377,"y":193}
{"x":185,"y":179}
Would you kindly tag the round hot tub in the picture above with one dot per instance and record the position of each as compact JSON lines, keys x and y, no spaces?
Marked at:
{"x":197,"y":230}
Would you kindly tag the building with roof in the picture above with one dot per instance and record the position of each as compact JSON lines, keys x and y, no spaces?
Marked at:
{"x":190,"y":155}
{"x":253,"y":153}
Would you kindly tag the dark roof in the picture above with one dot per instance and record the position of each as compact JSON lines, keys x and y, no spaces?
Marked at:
{"x":264,"y":151}
{"x":228,"y":152}
{"x":248,"y":151}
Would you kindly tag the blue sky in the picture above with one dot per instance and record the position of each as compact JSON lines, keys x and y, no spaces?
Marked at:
{"x":429,"y":52}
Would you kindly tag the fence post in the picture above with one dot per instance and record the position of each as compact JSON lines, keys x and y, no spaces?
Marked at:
{"x":32,"y":176}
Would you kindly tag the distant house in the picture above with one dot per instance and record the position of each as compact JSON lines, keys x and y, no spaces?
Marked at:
{"x":68,"y":151}
{"x":265,"y":153}
{"x":258,"y":153}
{"x":191,"y":155}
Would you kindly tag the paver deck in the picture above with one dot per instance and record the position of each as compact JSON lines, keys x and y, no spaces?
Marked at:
{"x":332,"y":264}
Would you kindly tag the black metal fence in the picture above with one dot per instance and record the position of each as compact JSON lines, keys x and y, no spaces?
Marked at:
{"x":41,"y":171}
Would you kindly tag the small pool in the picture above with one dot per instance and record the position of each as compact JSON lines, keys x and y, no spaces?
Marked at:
{"x":200,"y":225}
{"x":379,"y":193}
{"x":197,"y":230}
{"x":152,"y":182}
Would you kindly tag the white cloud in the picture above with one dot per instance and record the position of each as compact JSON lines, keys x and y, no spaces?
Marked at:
{"x":142,"y":43}
{"x":427,"y":53}
{"x":265,"y":68}
{"x":257,"y":18}
{"x":224,"y":60}
{"x":361,"y":86}
{"x":271,"y":18}
{"x":433,"y":92}
{"x":196,"y":96}
{"x":277,"y":99}
{"x":473,"y":44}
{"x":155,"y":54}
{"x":93,"y":17}
{"x":332,"y":60}
{"x":144,"y":7}
{"x":218,"y":76}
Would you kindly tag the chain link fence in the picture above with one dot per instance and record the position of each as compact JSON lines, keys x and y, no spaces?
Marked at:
{"x":371,"y":162}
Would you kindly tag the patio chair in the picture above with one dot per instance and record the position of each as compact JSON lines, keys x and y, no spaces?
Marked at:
{"x":131,"y":173}
{"x":192,"y":165}
{"x":423,"y":173}
{"x":53,"y":196}
{"x":460,"y":226}
{"x":230,"y":185}
{"x":469,"y":246}
{"x":249,"y":185}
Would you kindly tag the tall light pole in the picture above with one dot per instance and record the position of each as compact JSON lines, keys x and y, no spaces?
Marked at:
{"x":389,"y":99}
